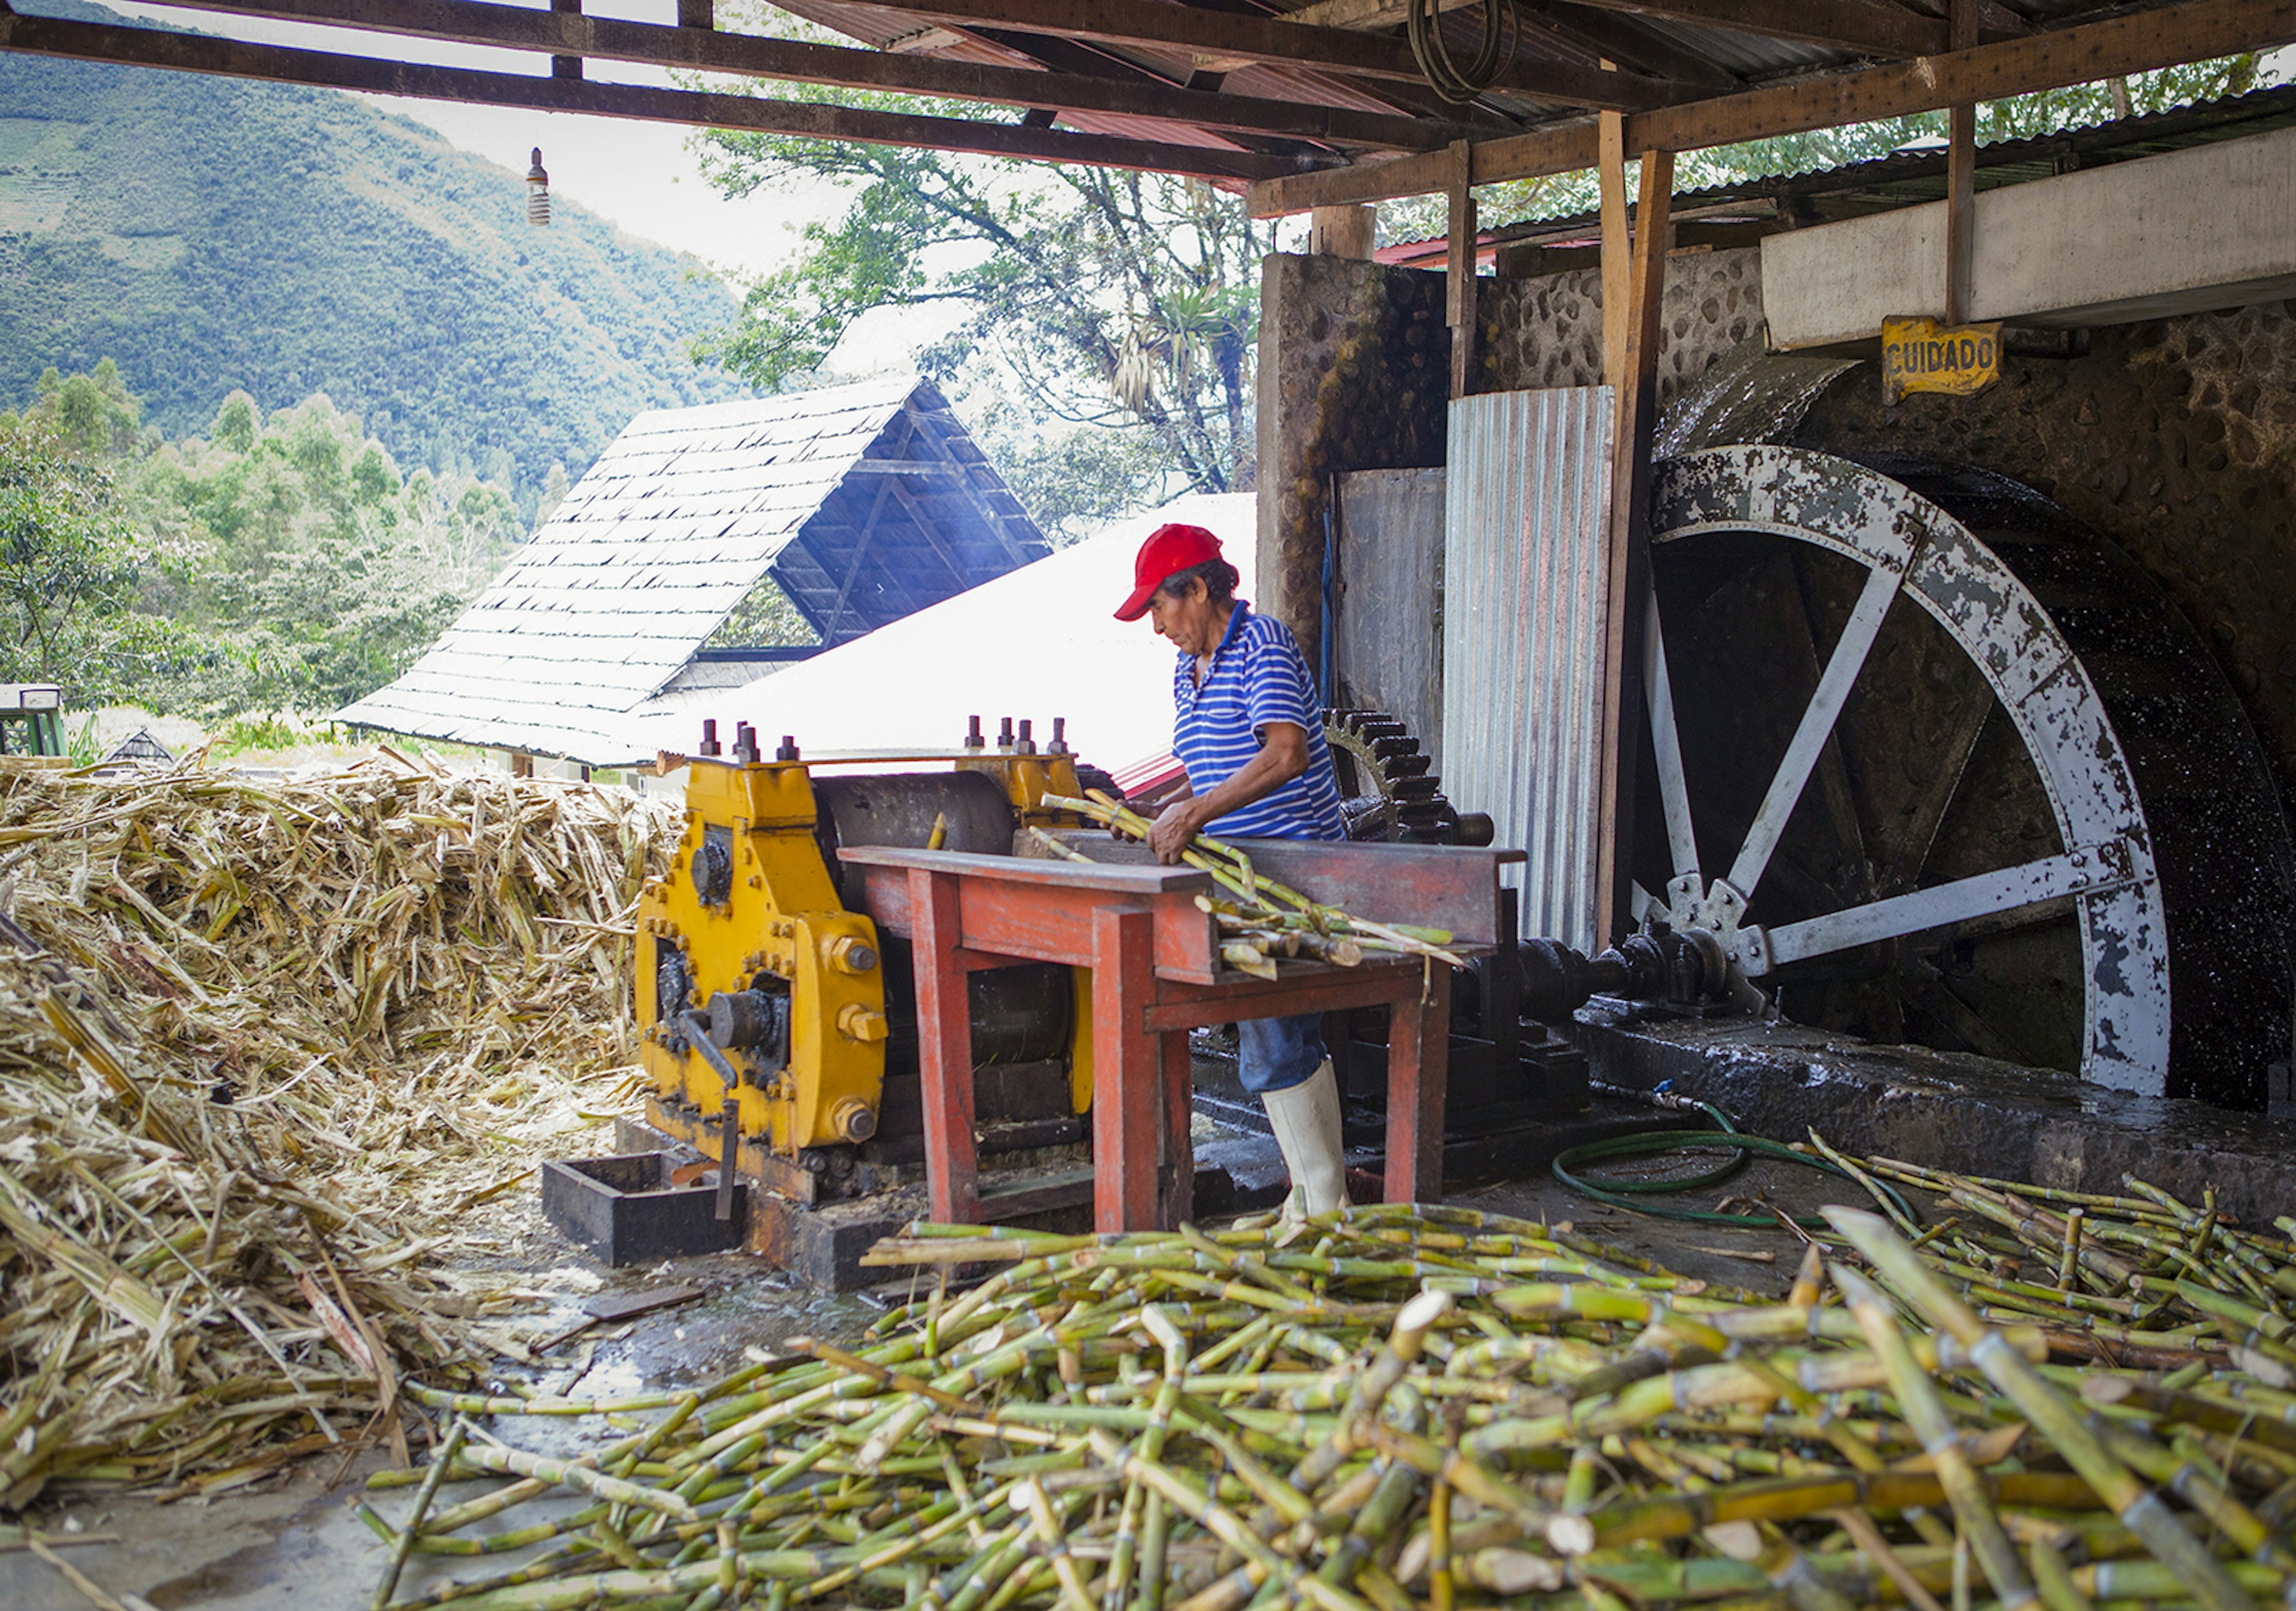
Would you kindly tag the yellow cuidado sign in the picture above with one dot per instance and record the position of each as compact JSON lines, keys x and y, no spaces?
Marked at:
{"x":1922,"y":354}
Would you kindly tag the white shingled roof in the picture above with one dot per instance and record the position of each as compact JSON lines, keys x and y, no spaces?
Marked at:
{"x":865,"y":502}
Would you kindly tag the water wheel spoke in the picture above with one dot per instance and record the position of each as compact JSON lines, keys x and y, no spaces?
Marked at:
{"x":1928,"y":996}
{"x":1987,"y":894}
{"x":1816,"y":726}
{"x":1666,"y":740}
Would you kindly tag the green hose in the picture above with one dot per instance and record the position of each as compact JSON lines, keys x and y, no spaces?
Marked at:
{"x":1655,"y":1143}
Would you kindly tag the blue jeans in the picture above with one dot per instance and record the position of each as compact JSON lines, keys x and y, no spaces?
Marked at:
{"x":1275,"y":1054}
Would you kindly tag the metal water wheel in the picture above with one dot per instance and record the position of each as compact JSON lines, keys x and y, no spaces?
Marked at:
{"x":1946,"y":767}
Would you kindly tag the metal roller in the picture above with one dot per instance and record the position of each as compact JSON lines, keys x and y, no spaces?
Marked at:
{"x":900,"y":809}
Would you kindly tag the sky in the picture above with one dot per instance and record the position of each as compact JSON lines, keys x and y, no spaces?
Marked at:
{"x":639,"y":174}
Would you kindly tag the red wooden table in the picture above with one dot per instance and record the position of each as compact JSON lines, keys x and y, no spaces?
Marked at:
{"x":1156,"y":974}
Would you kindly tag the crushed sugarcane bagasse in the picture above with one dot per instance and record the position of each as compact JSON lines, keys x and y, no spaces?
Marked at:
{"x":264,"y":1045}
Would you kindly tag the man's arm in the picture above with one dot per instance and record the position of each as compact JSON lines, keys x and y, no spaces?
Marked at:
{"x":1283,"y":756}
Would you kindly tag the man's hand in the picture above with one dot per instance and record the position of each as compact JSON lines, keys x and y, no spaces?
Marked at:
{"x":1173,"y":831}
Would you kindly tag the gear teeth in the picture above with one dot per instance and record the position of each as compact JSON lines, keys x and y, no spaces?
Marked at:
{"x":1407,"y":805}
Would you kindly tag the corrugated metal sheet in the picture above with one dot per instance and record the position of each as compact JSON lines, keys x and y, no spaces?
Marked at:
{"x":1525,"y":590}
{"x":669,"y":530}
{"x":1388,"y":629}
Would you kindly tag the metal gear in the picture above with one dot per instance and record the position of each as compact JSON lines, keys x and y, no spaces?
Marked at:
{"x":1388,"y":788}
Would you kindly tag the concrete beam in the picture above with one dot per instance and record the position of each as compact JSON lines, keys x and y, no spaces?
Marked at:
{"x":2210,"y":227}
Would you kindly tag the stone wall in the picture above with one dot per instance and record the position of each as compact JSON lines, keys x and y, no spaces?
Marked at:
{"x":2177,"y":439}
{"x":1355,"y":365}
{"x":1547,"y":332}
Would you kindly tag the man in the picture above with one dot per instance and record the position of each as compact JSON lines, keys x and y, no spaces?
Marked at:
{"x":1248,"y":728}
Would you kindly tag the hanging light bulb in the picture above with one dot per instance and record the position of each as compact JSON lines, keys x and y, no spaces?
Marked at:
{"x":537,"y":193}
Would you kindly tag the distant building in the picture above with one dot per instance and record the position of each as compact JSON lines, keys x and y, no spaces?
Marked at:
{"x":864,"y":504}
{"x":138,"y":746}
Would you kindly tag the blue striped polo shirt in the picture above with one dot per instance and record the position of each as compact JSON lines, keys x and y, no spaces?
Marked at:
{"x":1257,"y":675}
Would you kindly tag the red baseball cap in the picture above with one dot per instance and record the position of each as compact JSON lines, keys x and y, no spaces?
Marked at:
{"x":1169,"y":549}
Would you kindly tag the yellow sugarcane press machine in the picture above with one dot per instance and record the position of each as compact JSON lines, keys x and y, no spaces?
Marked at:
{"x":777,"y":1024}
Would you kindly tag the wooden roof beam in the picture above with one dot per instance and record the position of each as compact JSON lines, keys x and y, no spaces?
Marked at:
{"x":233,"y":58}
{"x":937,"y":432}
{"x":1231,"y":37}
{"x":1605,"y":37}
{"x":1873,"y":27}
{"x":748,"y":55}
{"x":2141,"y":42}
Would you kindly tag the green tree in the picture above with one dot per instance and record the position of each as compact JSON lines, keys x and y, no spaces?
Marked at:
{"x":297,"y":546}
{"x":764,"y":619}
{"x":276,"y":564}
{"x":554,"y":489}
{"x":92,"y":415}
{"x":70,"y":562}
{"x":1123,"y":307}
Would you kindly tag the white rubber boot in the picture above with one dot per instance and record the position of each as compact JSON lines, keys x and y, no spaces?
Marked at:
{"x":1306,"y":1119}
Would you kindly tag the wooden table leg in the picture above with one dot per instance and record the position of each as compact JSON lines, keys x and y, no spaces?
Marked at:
{"x":1418,"y":1071}
{"x":1127,"y":1106}
{"x":944,"y":1050}
{"x":1179,"y":1143}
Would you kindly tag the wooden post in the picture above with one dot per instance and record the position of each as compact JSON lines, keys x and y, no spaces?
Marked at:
{"x":1961,"y":175}
{"x":1128,"y":1102}
{"x":1634,"y":416}
{"x":1418,"y":1075}
{"x":1617,"y":271}
{"x":1179,"y":1166}
{"x":944,"y":1049}
{"x":1459,"y":270}
{"x":1342,"y":232}
{"x":697,"y":13}
{"x":566,"y":67}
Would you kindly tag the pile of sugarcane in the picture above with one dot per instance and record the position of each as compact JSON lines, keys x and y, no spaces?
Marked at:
{"x":1264,"y":920}
{"x":1402,"y":1408}
{"x":262,"y":1046}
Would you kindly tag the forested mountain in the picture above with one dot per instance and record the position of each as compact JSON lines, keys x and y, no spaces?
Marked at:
{"x":212,"y":235}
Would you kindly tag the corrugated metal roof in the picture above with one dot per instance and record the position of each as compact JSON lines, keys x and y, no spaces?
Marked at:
{"x":864,"y":502}
{"x":1702,"y":59}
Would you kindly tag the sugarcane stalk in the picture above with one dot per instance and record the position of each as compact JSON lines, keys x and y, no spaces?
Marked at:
{"x":1175,"y":1344}
{"x":1231,"y":870}
{"x":2206,"y":1492}
{"x":404,"y":1545}
{"x":2053,"y":1577}
{"x":1917,"y":1397}
{"x":2137,"y":1505}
